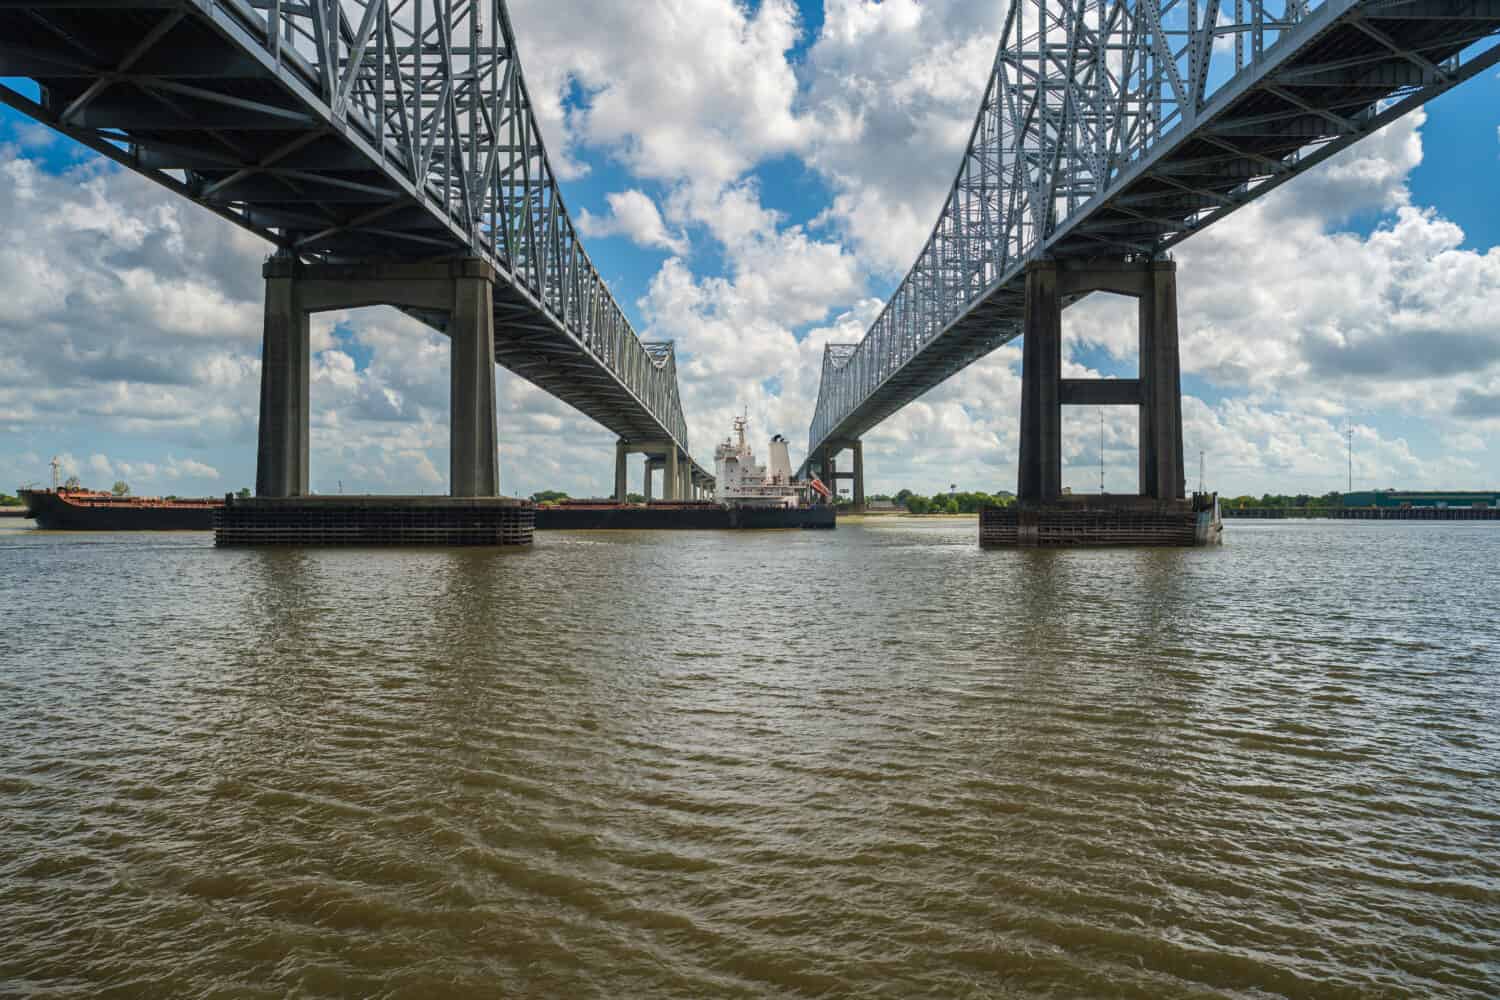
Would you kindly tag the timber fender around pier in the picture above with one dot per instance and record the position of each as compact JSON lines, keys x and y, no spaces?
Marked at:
{"x":1097,"y":521}
{"x":374,"y":520}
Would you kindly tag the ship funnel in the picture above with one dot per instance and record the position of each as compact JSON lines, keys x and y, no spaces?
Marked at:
{"x":780,"y":465}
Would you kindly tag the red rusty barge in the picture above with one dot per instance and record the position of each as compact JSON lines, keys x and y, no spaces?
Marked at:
{"x":90,"y":510}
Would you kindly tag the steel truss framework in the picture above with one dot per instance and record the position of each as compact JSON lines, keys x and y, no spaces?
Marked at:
{"x":353,"y":129}
{"x":1118,"y":128}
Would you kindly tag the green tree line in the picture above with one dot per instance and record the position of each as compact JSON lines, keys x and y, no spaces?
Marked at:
{"x":1284,"y":500}
{"x":968,"y":502}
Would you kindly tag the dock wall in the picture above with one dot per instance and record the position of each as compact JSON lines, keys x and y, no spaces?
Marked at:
{"x":1099,"y":522}
{"x":1366,"y":513}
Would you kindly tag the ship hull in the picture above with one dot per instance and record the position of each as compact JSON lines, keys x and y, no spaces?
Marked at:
{"x":56,"y":513}
{"x":702,"y":517}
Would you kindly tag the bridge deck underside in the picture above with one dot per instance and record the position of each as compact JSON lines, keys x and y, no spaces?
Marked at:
{"x":1342,"y":84}
{"x":160,"y":88}
{"x":191,"y":100}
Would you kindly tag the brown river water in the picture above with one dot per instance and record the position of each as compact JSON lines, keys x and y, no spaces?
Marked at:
{"x":876,"y":762}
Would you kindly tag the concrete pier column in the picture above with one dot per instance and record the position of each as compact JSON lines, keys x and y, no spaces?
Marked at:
{"x":1161,"y":460}
{"x":652,"y":464}
{"x":831,"y":475}
{"x":281,"y":460}
{"x":473,"y":461}
{"x":671,"y":478}
{"x":1040,"y":478}
{"x":622,"y":456}
{"x":859,"y":473}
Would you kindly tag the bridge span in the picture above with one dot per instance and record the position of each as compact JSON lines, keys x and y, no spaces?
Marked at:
{"x":390,"y":153}
{"x":1109,"y":132}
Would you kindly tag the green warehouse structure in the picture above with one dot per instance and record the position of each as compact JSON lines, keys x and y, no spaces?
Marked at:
{"x":1423,"y":498}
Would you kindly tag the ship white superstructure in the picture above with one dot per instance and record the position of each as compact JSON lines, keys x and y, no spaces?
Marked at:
{"x":742,"y":483}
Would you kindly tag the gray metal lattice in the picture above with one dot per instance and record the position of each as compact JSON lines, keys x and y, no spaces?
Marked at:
{"x":346,"y":129}
{"x":1118,"y":128}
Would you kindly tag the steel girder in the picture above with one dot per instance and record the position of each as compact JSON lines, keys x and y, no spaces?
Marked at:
{"x":348,"y":129}
{"x":1118,"y":128}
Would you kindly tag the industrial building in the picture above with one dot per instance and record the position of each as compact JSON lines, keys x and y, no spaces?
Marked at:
{"x":1423,"y":498}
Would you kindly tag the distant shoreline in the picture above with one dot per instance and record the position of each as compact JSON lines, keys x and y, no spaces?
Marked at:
{"x":875,"y":515}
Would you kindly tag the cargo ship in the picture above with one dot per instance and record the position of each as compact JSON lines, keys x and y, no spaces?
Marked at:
{"x":66,"y":509}
{"x":748,"y":496}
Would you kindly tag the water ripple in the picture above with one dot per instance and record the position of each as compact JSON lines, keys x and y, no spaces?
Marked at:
{"x":874,"y":763}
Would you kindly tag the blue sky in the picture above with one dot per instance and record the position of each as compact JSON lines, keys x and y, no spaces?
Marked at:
{"x":753,"y":182}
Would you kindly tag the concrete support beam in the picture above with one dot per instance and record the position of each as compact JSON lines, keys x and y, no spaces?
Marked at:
{"x":281,"y":460}
{"x":1163,"y":475}
{"x":1040,"y":474}
{"x":622,"y":466}
{"x":473,"y":453}
{"x":672,"y":478}
{"x":1100,"y":392}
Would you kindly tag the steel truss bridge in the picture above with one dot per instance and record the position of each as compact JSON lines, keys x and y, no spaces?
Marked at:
{"x":355,"y":130}
{"x":1115,"y":129}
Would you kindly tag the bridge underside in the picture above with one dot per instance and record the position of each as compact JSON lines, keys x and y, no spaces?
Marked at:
{"x":347,"y":142}
{"x":1344,"y":71}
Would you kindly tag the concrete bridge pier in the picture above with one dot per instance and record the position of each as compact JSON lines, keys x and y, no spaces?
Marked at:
{"x":675,"y":465}
{"x":622,"y":456}
{"x":831,"y":475}
{"x":1156,"y":392}
{"x":461,"y":291}
{"x":858,"y":450}
{"x":671,"y":476}
{"x":648,"y":486}
{"x":473,"y":451}
{"x":281,"y":459}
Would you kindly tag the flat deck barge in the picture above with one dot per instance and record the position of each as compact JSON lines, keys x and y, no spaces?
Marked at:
{"x":91,"y":510}
{"x":592,"y":515}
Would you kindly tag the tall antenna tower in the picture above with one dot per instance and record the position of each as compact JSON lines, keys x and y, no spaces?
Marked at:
{"x":1101,"y":450}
